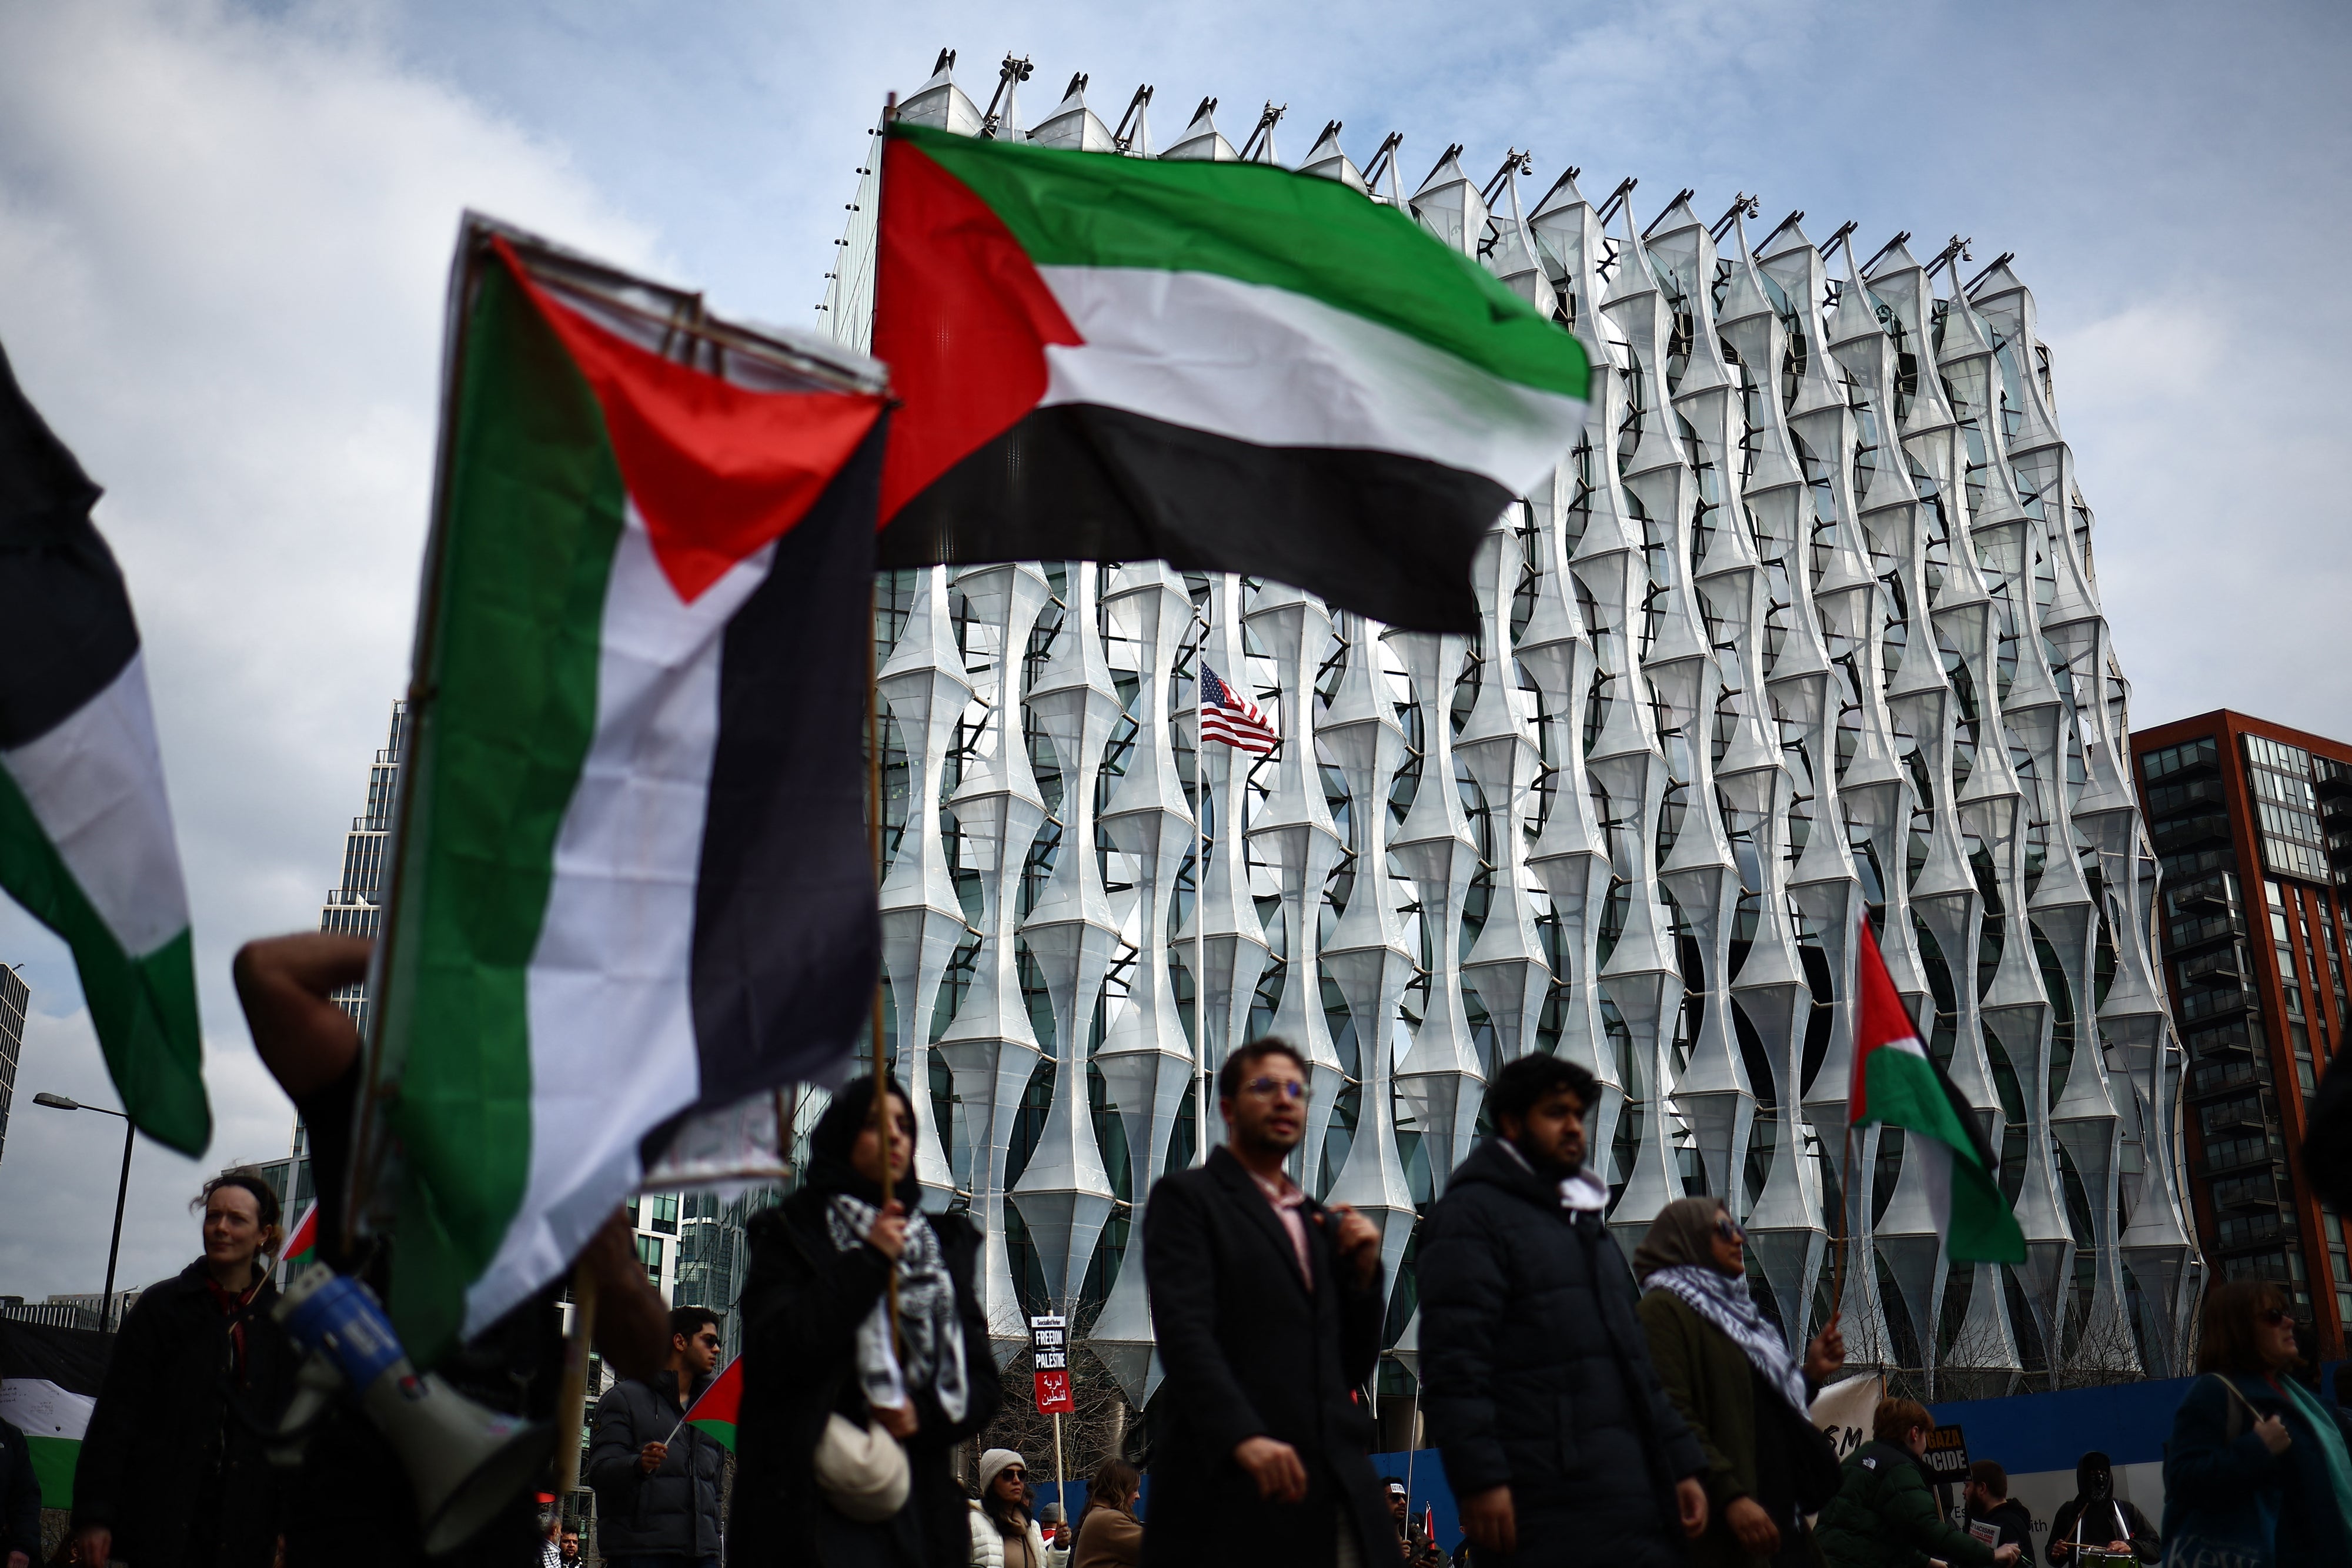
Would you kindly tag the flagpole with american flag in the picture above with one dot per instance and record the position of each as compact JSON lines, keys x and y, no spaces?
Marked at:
{"x":1219,"y":713}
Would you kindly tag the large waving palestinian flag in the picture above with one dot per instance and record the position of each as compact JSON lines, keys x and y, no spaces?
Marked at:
{"x":632,"y":878}
{"x":86,"y":841}
{"x":1228,"y":366}
{"x":50,"y":1384}
{"x":1896,"y":1083}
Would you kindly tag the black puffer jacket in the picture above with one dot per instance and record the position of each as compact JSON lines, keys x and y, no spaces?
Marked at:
{"x":1538,"y":1372}
{"x":673,"y":1512}
{"x":171,"y":1462}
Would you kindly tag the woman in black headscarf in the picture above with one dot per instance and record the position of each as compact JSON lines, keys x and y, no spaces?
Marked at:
{"x":1728,"y":1371}
{"x":818,"y":1344}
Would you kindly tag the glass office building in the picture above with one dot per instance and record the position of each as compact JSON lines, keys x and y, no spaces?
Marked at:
{"x":2253,"y":823}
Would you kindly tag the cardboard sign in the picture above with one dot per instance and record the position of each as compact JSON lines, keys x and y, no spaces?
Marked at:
{"x":1049,"y":1355}
{"x":1948,"y":1455}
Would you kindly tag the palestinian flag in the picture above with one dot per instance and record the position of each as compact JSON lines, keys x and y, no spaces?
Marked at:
{"x":713,"y":1413}
{"x":302,"y":1246}
{"x":632,"y":878}
{"x":1897,"y":1085}
{"x":1229,"y":366}
{"x":86,"y":841}
{"x":50,"y":1383}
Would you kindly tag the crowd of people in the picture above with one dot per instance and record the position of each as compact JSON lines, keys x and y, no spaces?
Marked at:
{"x":1586,"y":1408}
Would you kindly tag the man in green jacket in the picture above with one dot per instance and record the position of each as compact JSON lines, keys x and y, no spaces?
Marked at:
{"x":1883,"y":1516}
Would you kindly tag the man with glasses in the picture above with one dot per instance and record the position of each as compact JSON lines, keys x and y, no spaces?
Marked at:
{"x":1559,"y":1441}
{"x":1267,"y":1308}
{"x":656,"y":1478}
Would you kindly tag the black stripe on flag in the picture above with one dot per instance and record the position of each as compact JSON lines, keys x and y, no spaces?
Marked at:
{"x":1390,"y":535}
{"x":787,"y":921}
{"x":65,"y":628}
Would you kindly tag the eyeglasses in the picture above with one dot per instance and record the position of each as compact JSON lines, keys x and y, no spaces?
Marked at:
{"x":1288,"y":1088}
{"x":1729,"y":1230}
{"x":2272,"y":1317}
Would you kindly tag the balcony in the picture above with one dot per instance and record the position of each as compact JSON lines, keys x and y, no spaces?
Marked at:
{"x":2172,"y":838}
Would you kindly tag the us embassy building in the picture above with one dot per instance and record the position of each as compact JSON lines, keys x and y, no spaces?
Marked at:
{"x":1804,"y":630}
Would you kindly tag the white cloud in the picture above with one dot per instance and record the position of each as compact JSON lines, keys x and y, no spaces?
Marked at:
{"x":223,"y":243}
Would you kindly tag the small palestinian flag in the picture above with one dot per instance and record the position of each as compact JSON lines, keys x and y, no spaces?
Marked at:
{"x":50,"y":1384}
{"x":1897,"y":1085}
{"x":302,"y":1246}
{"x":714,"y":1412}
{"x":86,"y":841}
{"x":1229,"y":366}
{"x":632,"y":879}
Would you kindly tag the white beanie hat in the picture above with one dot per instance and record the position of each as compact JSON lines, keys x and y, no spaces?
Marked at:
{"x":994,"y":1462}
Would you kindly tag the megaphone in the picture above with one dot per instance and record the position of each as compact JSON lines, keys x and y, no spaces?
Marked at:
{"x":465,"y":1461}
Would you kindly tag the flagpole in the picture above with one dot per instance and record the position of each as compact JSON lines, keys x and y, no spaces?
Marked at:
{"x":1200,"y":899}
{"x":882,"y":1139}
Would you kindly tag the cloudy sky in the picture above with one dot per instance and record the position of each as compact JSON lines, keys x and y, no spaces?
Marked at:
{"x":224,"y":231}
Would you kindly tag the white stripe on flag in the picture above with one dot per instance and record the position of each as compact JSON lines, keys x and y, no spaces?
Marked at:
{"x":612,"y":1049}
{"x":96,"y":786}
{"x":1273,"y":368}
{"x":39,"y":1408}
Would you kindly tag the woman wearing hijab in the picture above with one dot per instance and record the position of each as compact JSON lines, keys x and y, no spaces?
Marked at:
{"x":1730,"y":1373}
{"x":818,"y":1343}
{"x":2258,"y":1470}
{"x":171,"y":1472}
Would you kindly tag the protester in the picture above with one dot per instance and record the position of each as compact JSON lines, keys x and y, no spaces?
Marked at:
{"x":569,"y":1551}
{"x":172,"y":1468}
{"x":551,"y":1551}
{"x":1267,"y":1308}
{"x":817,"y":1342}
{"x":2094,"y":1516}
{"x":20,"y":1500}
{"x":1055,"y":1525}
{"x":656,"y":1478}
{"x":1730,"y":1373}
{"x":1986,"y":1495}
{"x":1003,"y":1533}
{"x":515,"y":1366}
{"x":1559,"y":1441}
{"x":1418,"y":1551}
{"x":2257,"y":1468}
{"x":1108,"y":1535}
{"x":1885,"y":1511}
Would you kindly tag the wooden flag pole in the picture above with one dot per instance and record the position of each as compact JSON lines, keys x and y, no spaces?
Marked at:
{"x":1845,"y":1224}
{"x":571,"y":1395}
{"x":882,"y":1130}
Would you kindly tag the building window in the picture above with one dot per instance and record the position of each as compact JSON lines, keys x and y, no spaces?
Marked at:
{"x":649,"y":1253}
{"x":660,"y":1213}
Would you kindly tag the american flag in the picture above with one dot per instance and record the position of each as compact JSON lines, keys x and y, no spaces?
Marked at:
{"x":1227,"y":716}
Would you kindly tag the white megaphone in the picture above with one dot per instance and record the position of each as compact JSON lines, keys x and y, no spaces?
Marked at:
{"x":467,"y":1460}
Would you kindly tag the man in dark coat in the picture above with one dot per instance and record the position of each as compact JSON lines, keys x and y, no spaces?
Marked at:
{"x":2099,"y":1519}
{"x":657,"y":1480}
{"x":1267,"y":1308}
{"x":1990,"y":1503}
{"x":1557,"y":1438}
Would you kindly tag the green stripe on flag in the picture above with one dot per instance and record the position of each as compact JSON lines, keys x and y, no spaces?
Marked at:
{"x":720,"y":1432}
{"x":53,"y":1464}
{"x":144,"y":1008}
{"x":1258,"y":223}
{"x":534,"y":515}
{"x":1904,"y":1088}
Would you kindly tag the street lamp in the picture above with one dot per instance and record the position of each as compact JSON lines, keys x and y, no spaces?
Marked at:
{"x":123,"y":1190}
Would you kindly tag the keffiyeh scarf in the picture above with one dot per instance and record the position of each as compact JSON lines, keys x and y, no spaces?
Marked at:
{"x":928,"y":1323}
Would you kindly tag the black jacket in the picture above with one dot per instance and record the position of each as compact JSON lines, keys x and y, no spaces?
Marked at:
{"x":1249,"y":1351}
{"x":20,"y":1496}
{"x":1536,"y":1373}
{"x":2015,"y":1522}
{"x":2102,"y":1528}
{"x":803,"y":1300}
{"x":172,"y":1457}
{"x":673,"y":1512}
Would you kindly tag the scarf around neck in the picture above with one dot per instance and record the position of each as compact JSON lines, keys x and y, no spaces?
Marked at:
{"x":929,"y":1322}
{"x":1677,"y":1255}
